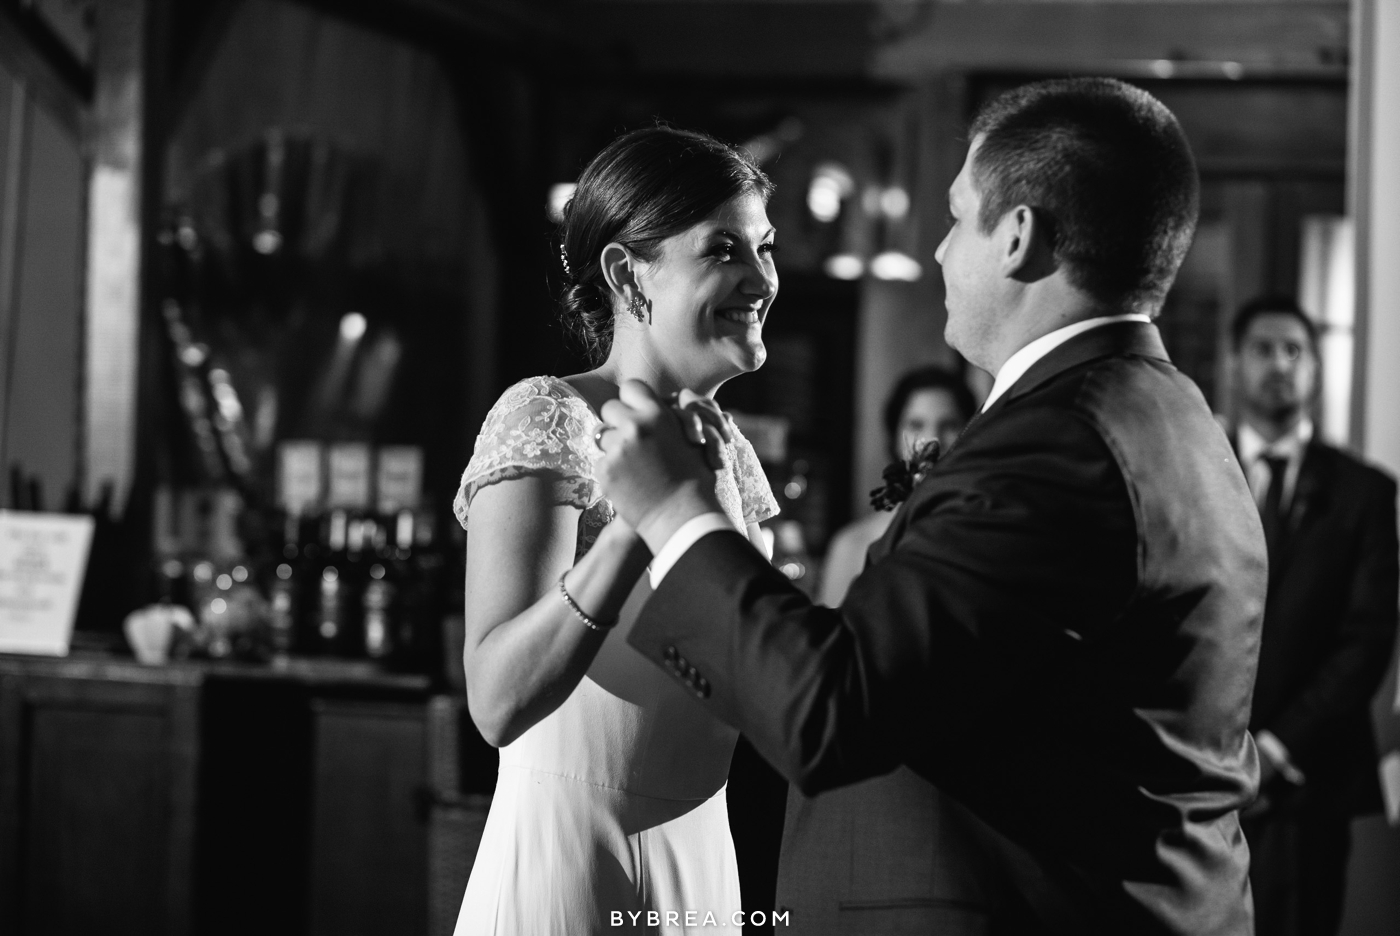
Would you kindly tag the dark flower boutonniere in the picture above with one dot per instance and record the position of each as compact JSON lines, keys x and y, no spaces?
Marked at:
{"x":901,"y":477}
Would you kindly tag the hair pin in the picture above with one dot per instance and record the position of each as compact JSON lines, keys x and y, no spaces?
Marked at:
{"x":564,"y":259}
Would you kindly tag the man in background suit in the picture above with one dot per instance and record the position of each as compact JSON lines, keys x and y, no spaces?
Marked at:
{"x":1329,"y":621}
{"x":1059,"y":629}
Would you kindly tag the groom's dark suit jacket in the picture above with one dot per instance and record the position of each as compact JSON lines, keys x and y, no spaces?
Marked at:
{"x":1059,"y":630}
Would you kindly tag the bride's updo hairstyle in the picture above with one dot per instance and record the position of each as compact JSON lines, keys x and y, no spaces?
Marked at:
{"x":644,"y":187}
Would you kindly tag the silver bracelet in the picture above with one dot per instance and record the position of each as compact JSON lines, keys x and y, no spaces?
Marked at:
{"x":582,"y":615}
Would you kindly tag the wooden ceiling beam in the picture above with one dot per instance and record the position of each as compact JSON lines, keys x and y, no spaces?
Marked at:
{"x":1147,"y":39}
{"x":905,"y":42}
{"x":518,"y":27}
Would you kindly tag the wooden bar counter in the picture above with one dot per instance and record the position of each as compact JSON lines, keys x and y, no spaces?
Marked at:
{"x":211,"y":798}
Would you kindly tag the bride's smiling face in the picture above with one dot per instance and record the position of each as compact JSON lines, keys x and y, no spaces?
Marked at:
{"x":708,"y":294}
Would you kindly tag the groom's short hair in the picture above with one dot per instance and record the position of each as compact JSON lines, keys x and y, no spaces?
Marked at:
{"x":1108,"y":170}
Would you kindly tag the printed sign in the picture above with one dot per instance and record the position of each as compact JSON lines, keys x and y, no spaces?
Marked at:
{"x":43,"y":558}
{"x":348,"y":476}
{"x":400,"y":478}
{"x":299,"y":476}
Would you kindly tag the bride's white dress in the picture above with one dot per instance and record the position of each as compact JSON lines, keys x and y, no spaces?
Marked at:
{"x":614,"y":803}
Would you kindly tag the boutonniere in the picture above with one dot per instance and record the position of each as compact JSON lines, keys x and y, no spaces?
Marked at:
{"x":901,"y":477}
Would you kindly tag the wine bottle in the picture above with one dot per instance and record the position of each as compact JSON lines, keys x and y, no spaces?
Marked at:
{"x":398,"y":564}
{"x":284,"y":588}
{"x":332,"y":612}
{"x":381,"y":608}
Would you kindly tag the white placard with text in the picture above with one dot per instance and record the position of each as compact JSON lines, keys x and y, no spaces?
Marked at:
{"x":400,"y":478}
{"x":43,"y":558}
{"x":348,"y":475}
{"x":299,"y":476}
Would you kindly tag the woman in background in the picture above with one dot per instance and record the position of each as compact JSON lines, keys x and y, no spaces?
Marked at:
{"x":928,"y":403}
{"x":610,"y":801}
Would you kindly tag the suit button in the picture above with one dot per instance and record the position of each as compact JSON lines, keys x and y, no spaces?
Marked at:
{"x":703,"y":689}
{"x":690,"y":674}
{"x":681,"y":663}
{"x":669,"y":654}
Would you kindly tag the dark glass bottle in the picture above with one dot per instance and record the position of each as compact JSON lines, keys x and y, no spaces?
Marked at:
{"x":332,"y":618}
{"x":359,"y":533}
{"x":400,"y":571}
{"x":380,"y":600}
{"x":424,"y":606}
{"x":284,"y":588}
{"x":380,"y":610}
{"x":171,"y":584}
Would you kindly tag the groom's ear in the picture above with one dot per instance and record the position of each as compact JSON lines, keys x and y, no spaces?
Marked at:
{"x":620,"y":270}
{"x":1028,"y":249}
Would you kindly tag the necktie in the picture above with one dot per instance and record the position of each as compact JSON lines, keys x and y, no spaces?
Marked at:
{"x":1271,"y":511}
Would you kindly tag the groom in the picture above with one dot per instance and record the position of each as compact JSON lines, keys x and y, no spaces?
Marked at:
{"x":1061,"y":626}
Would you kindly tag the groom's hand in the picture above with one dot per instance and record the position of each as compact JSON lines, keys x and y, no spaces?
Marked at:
{"x":651,"y":468}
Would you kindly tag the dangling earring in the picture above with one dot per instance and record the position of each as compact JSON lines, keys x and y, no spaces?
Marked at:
{"x":638,"y":308}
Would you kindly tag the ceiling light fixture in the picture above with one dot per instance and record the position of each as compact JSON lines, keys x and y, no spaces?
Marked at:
{"x":893,"y":265}
{"x":844,"y":267}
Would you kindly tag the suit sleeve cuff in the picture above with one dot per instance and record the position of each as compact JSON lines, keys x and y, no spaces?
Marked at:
{"x":681,"y":541}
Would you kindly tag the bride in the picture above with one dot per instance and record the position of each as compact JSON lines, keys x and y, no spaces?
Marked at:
{"x":609,"y":806}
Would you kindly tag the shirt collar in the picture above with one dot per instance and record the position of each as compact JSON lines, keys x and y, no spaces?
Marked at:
{"x":1289,"y":446}
{"x":1020,"y":362}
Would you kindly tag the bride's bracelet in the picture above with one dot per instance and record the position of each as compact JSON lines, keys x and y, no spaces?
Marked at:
{"x":582,"y":615}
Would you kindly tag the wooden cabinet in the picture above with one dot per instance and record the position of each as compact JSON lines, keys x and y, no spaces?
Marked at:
{"x":212,"y":799}
{"x":98,"y":799}
{"x":369,"y":838}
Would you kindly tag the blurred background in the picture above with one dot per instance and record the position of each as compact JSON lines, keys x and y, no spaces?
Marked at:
{"x":265,"y":265}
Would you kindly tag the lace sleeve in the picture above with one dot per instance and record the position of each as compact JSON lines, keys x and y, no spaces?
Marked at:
{"x":754,"y":491}
{"x":538,"y":428}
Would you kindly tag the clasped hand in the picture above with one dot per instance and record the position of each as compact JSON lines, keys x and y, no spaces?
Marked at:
{"x":659,"y":458}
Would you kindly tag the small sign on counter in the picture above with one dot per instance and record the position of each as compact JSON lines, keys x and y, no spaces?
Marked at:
{"x":400,"y":478}
{"x":43,"y":558}
{"x":349,"y":475}
{"x":299,"y":476}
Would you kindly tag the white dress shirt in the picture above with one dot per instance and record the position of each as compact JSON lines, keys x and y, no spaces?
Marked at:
{"x":692,"y":530}
{"x":680,"y":542}
{"x":1020,"y":362}
{"x":1290,"y":447}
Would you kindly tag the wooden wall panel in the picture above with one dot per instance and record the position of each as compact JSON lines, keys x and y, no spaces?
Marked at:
{"x":40,"y":424}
